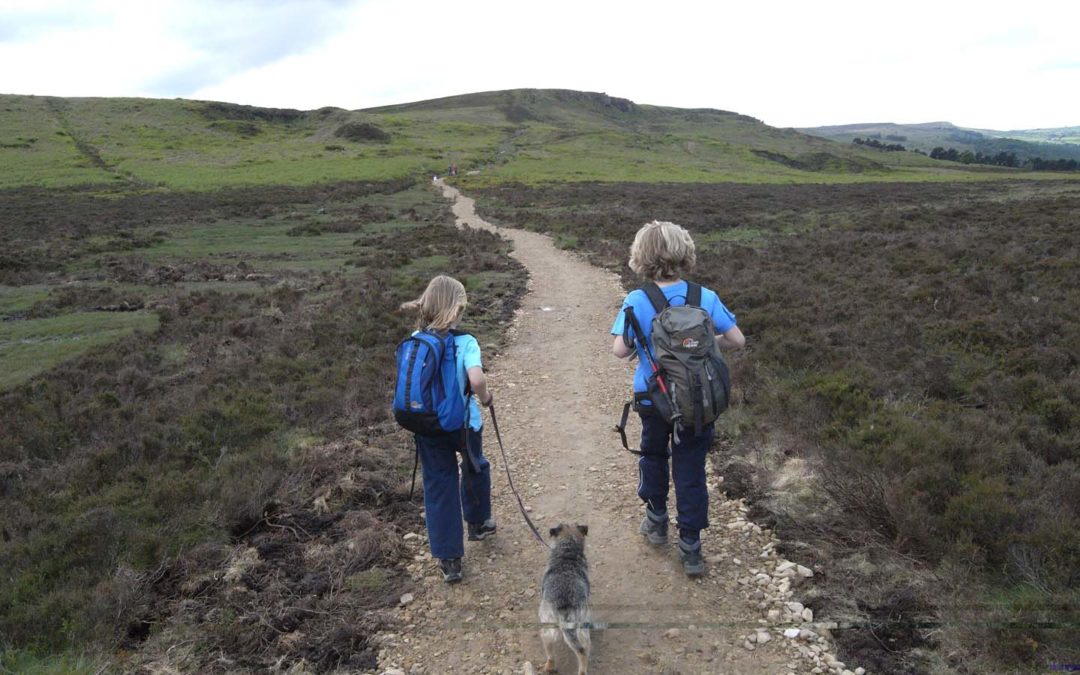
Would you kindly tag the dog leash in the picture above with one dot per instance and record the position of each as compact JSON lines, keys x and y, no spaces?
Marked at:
{"x":506,"y":465}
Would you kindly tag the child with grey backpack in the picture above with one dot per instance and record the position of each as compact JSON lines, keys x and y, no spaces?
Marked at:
{"x":672,"y":450}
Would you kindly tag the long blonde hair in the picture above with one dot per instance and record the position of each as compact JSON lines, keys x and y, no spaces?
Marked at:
{"x":662,"y":251}
{"x":440,"y":306}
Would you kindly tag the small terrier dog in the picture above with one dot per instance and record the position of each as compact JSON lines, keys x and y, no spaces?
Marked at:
{"x":564,"y":596}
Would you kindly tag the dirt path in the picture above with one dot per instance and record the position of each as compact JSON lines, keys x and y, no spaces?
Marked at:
{"x":558,"y":390}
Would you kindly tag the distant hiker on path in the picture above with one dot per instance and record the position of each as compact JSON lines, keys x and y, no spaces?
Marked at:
{"x":446,"y":497}
{"x":662,"y":253}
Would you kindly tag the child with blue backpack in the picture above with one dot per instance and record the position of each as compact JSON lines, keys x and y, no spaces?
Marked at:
{"x":440,"y":378}
{"x":662,"y":254}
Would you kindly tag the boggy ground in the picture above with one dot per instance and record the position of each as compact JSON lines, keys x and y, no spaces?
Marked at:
{"x":557,"y":392}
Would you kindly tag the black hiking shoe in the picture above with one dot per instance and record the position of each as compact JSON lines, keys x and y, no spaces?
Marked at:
{"x":654,"y":527}
{"x":693,"y":563}
{"x":481,"y":531}
{"x":451,"y":569}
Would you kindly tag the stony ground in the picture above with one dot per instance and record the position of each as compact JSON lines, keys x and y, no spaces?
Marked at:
{"x":558,"y":391}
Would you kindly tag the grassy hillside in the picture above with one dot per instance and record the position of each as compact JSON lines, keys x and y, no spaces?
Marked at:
{"x":521,"y":135}
{"x":1069,"y":135}
{"x":927,"y":136}
{"x":197,"y":312}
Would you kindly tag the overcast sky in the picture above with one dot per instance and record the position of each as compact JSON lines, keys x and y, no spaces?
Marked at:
{"x":1000,"y":66}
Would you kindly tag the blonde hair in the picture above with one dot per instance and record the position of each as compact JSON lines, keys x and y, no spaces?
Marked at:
{"x":440,"y":305}
{"x":662,"y":251}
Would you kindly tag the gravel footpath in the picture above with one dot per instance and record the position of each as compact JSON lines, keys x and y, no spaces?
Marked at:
{"x":558,"y":391}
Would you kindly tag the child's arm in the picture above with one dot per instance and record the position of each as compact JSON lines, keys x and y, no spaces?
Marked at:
{"x":620,"y":348}
{"x":732,"y":338}
{"x":479,"y":385}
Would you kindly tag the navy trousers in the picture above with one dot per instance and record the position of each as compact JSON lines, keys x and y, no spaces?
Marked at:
{"x":447,"y":495}
{"x":687,"y":471}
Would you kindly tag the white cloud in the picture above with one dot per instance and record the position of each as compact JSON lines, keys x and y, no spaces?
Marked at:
{"x":788,"y":63}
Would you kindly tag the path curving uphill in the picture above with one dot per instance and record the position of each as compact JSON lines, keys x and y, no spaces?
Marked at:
{"x":557,"y":391}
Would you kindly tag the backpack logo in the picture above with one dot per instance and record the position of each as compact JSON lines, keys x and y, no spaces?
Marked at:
{"x":690,"y":343}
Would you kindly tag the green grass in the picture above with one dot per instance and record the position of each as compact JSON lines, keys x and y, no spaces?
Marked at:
{"x":26,"y":662}
{"x":245,"y":239}
{"x":35,"y":149}
{"x":532,"y":136}
{"x":29,"y":347}
{"x":20,"y":298}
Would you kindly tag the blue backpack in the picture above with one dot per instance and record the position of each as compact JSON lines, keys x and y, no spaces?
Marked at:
{"x":429,"y":399}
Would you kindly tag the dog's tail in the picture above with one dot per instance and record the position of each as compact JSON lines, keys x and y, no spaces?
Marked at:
{"x":575,"y":629}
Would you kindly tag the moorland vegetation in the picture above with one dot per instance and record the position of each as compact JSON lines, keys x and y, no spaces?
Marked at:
{"x":909,"y":401}
{"x":197,"y":320}
{"x":196,"y":449}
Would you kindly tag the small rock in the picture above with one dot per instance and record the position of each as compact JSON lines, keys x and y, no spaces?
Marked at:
{"x":393,"y":671}
{"x":748,"y":646}
{"x":791,"y":633}
{"x":406,"y":599}
{"x":787,"y":564}
{"x":794,"y":607}
{"x":530,"y":669}
{"x":860,"y":671}
{"x":410,"y":536}
{"x":763,"y":637}
{"x":774,"y":616}
{"x":672,"y":633}
{"x":804,"y":572}
{"x":808,"y":614}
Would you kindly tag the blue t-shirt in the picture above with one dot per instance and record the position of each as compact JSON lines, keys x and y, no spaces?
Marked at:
{"x":722,"y":318}
{"x":467,"y":350}
{"x":468,"y":356}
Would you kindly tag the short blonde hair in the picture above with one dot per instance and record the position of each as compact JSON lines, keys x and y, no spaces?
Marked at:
{"x":662,"y":251}
{"x":440,"y":305}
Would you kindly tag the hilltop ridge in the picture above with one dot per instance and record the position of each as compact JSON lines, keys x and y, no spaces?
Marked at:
{"x":525,"y":135}
{"x":1047,"y":144}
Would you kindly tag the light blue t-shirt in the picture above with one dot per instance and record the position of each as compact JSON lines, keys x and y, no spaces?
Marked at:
{"x":468,"y":356}
{"x":467,"y":351}
{"x":722,"y":318}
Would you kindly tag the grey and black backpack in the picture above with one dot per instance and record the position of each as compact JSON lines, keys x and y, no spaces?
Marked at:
{"x":690,"y":383}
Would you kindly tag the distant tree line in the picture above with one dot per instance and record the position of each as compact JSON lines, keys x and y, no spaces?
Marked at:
{"x":1008,"y":159}
{"x":969,"y":157}
{"x":878,"y":145}
{"x":1055,"y":164}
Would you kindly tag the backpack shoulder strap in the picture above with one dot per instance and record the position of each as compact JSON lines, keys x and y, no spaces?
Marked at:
{"x":656,"y":296}
{"x":693,"y":294}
